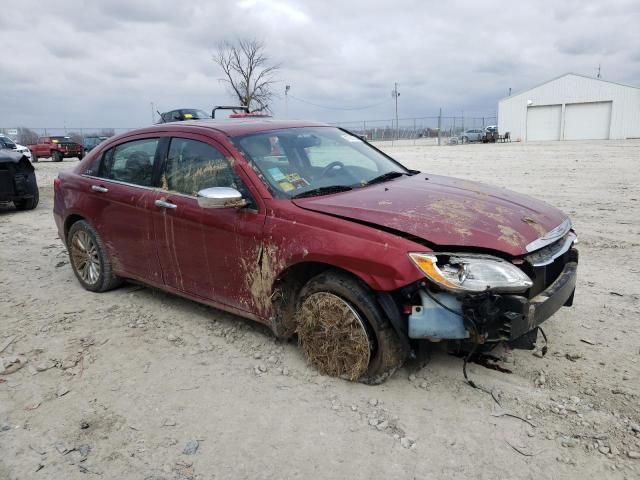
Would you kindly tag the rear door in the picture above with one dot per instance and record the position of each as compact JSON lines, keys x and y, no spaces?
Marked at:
{"x":121,"y":199}
{"x":201,"y":249}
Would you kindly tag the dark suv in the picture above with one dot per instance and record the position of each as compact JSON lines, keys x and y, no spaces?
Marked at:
{"x":18,"y":180}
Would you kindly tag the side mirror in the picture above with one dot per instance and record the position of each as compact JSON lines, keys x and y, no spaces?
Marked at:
{"x":220,"y":197}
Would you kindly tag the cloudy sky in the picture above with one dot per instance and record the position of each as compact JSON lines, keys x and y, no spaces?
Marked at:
{"x":101,"y":63}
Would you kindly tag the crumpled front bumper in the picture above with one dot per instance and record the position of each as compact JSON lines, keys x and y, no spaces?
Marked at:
{"x":541,"y":307}
{"x":491,"y":317}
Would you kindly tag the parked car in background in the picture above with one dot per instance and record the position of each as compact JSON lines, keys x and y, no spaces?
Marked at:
{"x":9,"y":144}
{"x":490,"y":134}
{"x":24,"y":150}
{"x":17,"y":180}
{"x":56,"y":148}
{"x":183,"y":114}
{"x":325,"y":237}
{"x":473,"y":135}
{"x":92,"y":141}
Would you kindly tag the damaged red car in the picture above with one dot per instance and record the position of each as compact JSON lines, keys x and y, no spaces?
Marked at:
{"x":316,"y":233}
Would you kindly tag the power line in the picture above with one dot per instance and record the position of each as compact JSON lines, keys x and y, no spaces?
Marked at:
{"x":337,"y":108}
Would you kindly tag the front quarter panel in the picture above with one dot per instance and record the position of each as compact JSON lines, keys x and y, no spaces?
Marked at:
{"x":293,"y":235}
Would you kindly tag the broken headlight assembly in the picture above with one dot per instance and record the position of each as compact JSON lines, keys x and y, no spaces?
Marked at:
{"x":471,"y":273}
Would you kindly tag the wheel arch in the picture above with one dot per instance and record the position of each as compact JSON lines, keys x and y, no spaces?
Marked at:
{"x":287,"y":287}
{"x":69,"y":221}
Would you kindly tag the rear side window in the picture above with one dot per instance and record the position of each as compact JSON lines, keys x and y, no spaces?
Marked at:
{"x":193,"y":166}
{"x":130,"y":162}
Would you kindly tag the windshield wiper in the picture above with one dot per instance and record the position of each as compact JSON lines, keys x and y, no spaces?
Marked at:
{"x":386,"y":176}
{"x":323,"y":191}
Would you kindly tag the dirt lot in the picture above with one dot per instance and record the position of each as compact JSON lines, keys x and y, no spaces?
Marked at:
{"x":139,"y":384}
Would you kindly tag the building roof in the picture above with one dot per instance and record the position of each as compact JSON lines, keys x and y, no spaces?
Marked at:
{"x":566,"y":75}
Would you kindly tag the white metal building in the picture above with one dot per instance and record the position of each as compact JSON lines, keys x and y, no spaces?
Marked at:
{"x":572,"y":107}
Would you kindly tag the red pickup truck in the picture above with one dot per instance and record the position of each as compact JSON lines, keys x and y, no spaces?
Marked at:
{"x":57,"y":148}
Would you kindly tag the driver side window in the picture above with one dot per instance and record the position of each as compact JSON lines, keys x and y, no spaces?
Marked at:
{"x":193,"y":166}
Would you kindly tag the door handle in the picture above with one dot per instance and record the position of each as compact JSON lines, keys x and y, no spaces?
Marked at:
{"x":98,"y":188}
{"x":165,"y":204}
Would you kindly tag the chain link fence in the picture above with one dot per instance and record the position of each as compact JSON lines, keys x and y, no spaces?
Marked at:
{"x":434,"y":127}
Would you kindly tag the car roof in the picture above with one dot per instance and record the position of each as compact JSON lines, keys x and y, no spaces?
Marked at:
{"x":231,"y":127}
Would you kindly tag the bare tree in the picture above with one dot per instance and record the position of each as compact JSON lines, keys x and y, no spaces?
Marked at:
{"x":26,"y":136}
{"x":107,"y":132}
{"x":248,"y":73}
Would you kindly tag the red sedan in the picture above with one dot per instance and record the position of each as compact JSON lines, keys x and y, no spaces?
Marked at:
{"x":324,"y":236}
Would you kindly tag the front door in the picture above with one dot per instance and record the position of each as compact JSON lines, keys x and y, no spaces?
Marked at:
{"x":201,"y":249}
{"x":121,"y":199}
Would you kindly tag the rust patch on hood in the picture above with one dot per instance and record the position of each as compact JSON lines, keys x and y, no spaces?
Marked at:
{"x":511,"y":236}
{"x":453,"y":210}
{"x":539,"y":229}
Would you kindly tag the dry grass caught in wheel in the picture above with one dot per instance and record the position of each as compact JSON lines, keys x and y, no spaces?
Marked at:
{"x":333,"y":336}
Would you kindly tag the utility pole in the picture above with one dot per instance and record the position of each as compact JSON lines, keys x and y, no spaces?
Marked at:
{"x":509,"y":91}
{"x":286,"y":100}
{"x":153,"y":118}
{"x":598,"y":71}
{"x":395,"y":94}
{"x":439,"y":124}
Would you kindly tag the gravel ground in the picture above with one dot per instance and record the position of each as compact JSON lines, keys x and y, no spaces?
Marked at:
{"x":139,"y":384}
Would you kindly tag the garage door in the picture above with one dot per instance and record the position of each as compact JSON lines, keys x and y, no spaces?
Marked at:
{"x":543,"y":122}
{"x":587,"y":121}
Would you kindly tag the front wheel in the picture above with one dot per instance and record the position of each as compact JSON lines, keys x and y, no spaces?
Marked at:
{"x":343,"y":331}
{"x":89,"y":258}
{"x":34,"y":195}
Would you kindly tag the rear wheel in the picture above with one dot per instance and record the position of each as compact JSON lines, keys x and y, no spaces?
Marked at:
{"x":56,"y":156}
{"x":89,"y":258}
{"x":343,"y":331}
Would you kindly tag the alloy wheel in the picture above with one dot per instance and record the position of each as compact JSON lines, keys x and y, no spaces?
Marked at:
{"x":84,"y":255}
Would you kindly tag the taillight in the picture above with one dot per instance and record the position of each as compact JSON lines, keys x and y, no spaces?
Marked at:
{"x":56,"y":185}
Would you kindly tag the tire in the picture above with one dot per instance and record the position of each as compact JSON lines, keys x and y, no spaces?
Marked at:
{"x":32,"y":202}
{"x":56,"y":156}
{"x":89,"y":259}
{"x":386,"y":352}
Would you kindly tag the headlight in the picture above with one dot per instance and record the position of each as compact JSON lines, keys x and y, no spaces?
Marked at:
{"x":471,"y":273}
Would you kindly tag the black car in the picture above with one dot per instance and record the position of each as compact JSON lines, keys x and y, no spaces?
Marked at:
{"x":18,"y":180}
{"x":92,"y":141}
{"x":182,"y":114}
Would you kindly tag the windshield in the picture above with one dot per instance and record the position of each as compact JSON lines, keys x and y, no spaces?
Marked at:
{"x":61,"y":140}
{"x":316,"y":161}
{"x":6,"y":142}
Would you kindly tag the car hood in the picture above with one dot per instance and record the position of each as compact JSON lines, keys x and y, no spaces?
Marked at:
{"x":445,"y":212}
